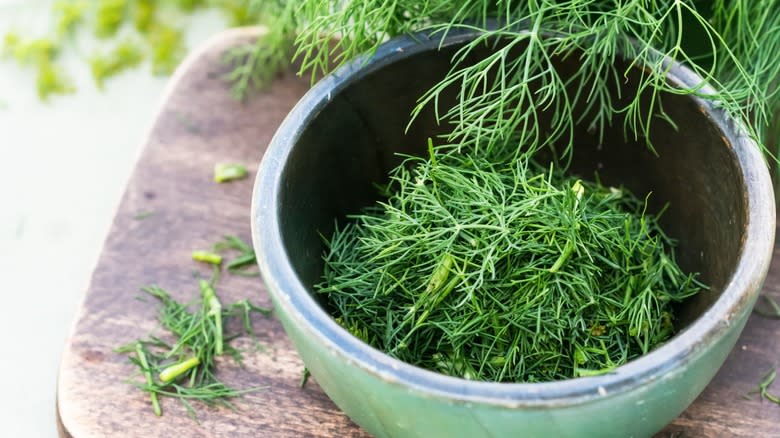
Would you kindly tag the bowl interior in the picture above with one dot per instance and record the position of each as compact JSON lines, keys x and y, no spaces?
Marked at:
{"x":353,"y":142}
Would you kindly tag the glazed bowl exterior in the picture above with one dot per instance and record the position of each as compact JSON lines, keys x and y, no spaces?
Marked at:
{"x":345,"y":134}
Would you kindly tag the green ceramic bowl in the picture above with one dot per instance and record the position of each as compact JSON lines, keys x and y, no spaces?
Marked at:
{"x":344,"y":135}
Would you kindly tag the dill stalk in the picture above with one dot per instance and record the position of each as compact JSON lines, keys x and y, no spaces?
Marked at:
{"x":139,"y":351}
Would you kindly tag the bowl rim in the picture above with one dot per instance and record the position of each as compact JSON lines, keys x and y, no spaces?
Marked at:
{"x":292,"y":296}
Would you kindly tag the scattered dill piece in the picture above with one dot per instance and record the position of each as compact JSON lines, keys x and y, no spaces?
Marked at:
{"x":167,"y":49}
{"x":11,"y":40}
{"x":244,"y":263}
{"x":232,"y":242}
{"x":143,"y":215}
{"x":763,"y":387}
{"x":125,"y":56}
{"x":190,"y":5}
{"x":207,"y":257}
{"x":241,"y":264}
{"x":109,"y":17}
{"x":51,"y":80}
{"x":254,"y":65}
{"x":144,"y":14}
{"x":774,"y":309}
{"x":32,"y":51}
{"x":185,"y":367}
{"x":70,"y":14}
{"x":304,"y":377}
{"x":490,"y":267}
{"x":238,"y":12}
{"x":224,"y":172}
{"x":214,"y":310}
{"x":139,"y":352}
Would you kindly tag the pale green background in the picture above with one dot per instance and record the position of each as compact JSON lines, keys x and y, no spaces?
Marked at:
{"x":63,"y":169}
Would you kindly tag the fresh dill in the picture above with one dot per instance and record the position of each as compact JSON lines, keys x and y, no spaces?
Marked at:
{"x":144,"y":15}
{"x":763,"y":387}
{"x":70,"y":15}
{"x":245,"y":262}
{"x":51,"y":80}
{"x":305,"y":374}
{"x":143,"y":215}
{"x":773,"y":310}
{"x":41,"y":54}
{"x":489,"y":267}
{"x":503,"y":95}
{"x":167,"y":48}
{"x":184,"y":368}
{"x":124,"y":56}
{"x":254,"y":65}
{"x":109,"y":17}
{"x":159,"y":28}
{"x":716,"y":39}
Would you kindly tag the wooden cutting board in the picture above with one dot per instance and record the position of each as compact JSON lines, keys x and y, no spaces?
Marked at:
{"x":172,"y":206}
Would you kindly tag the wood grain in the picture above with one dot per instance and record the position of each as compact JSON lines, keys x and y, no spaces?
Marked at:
{"x":198,"y":126}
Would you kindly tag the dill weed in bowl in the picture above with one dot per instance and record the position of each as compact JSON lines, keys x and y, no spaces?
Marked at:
{"x":495,"y":268}
{"x":347,"y":134}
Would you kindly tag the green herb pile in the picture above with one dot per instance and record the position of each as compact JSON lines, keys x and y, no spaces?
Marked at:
{"x":184,"y":368}
{"x":490,"y":267}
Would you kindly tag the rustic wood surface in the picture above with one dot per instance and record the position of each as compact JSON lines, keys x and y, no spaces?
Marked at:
{"x":199,"y":125}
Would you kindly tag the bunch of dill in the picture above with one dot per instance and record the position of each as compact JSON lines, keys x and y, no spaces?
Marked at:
{"x":493,"y":268}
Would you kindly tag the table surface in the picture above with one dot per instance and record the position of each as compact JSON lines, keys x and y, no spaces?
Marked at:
{"x":197,"y":126}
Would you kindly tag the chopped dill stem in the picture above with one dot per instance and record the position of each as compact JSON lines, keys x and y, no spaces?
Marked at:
{"x":139,"y":349}
{"x":207,"y":257}
{"x":224,"y":172}
{"x":172,"y":372}
{"x":763,"y":387}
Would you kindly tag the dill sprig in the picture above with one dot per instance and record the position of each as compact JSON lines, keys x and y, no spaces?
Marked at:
{"x":109,"y":17}
{"x":70,"y":14}
{"x":488,"y":267}
{"x":185,"y":369}
{"x":126,"y":55}
{"x":245,"y":262}
{"x":167,"y":48}
{"x":730,"y":44}
{"x":763,"y":387}
{"x":40,"y":53}
{"x":774,"y":309}
{"x":253,"y":66}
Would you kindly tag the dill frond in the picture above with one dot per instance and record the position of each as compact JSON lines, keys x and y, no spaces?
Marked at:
{"x":126,"y":55}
